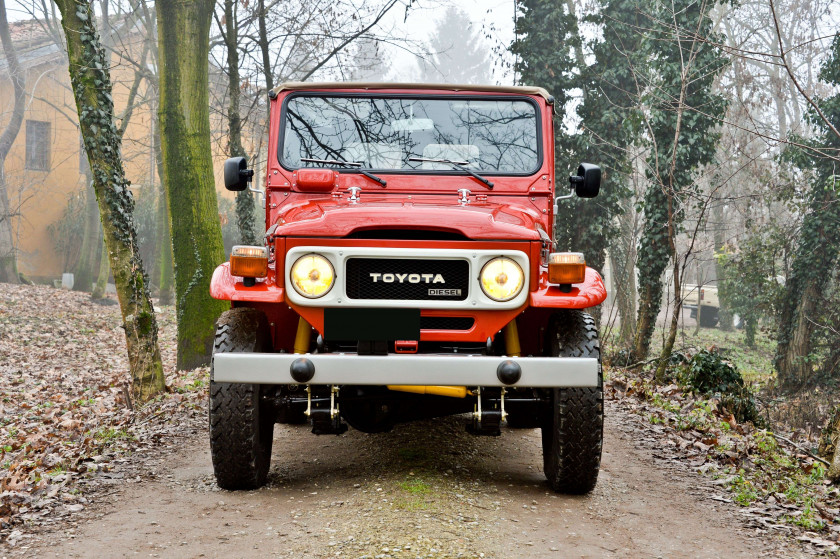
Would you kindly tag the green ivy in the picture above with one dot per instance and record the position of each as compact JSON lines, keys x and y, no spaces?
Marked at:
{"x":815,"y":259}
{"x":696,"y":142}
{"x":546,"y":45}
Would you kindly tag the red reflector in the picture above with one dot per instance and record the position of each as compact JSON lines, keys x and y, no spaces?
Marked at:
{"x":405,"y":346}
{"x":248,"y":267}
{"x":315,"y":180}
{"x":566,"y":273}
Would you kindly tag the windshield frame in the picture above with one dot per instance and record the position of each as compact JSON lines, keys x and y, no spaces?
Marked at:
{"x":444,"y":172}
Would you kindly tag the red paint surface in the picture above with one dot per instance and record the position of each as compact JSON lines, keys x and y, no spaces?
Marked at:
{"x":582,"y":295}
{"x":487,"y":323}
{"x":338,"y":217}
{"x":312,"y":207}
{"x":230,"y":288}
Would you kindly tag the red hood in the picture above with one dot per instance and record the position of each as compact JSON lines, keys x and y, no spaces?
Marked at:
{"x":477,"y":220}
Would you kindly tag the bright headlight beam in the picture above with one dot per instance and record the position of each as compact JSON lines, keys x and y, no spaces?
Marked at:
{"x":312,"y":276}
{"x":502,"y":279}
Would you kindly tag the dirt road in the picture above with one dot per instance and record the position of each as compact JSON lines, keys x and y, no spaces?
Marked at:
{"x":424,"y":490}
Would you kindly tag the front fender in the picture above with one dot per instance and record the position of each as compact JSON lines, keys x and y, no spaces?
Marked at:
{"x":226,"y":287}
{"x":582,"y":295}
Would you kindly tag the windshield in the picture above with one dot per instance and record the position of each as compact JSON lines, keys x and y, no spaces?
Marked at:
{"x":385,"y":133}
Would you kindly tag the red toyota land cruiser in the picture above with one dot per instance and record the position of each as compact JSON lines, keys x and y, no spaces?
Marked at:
{"x":408,"y":272}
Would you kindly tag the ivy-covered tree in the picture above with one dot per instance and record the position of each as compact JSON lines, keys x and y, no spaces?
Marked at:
{"x":549,"y":54}
{"x":91,"y":83}
{"x":183,"y":47}
{"x":815,"y":259}
{"x":546,"y":36}
{"x":610,"y":120}
{"x":750,"y":279}
{"x":684,"y":110}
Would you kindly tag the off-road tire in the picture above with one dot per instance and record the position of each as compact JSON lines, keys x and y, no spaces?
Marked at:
{"x":708,"y":317}
{"x":241,"y":422}
{"x":573,"y":425}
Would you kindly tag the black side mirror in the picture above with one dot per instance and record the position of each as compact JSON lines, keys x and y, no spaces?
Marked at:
{"x":587,"y":183}
{"x":237,"y":176}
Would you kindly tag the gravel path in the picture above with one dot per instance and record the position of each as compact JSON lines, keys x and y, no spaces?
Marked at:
{"x":425,"y":490}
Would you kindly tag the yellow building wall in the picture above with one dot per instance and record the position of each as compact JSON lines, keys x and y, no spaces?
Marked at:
{"x":41,"y":196}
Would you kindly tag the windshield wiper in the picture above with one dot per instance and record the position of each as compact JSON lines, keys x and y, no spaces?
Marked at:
{"x":457,"y":165}
{"x":354,"y":164}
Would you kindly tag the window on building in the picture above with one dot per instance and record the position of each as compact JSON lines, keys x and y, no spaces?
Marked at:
{"x":84,"y":165}
{"x":37,"y":145}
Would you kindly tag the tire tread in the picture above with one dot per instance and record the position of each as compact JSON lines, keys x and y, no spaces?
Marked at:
{"x":573,"y":431}
{"x":240,"y":429}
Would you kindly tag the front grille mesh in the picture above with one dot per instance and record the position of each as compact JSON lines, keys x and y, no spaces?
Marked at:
{"x":446,"y":322}
{"x":360,"y":285}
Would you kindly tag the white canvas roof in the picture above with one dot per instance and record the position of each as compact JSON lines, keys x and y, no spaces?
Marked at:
{"x":519,"y":90}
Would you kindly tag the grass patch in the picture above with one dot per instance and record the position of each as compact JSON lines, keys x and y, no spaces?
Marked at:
{"x":415,"y":486}
{"x":416,"y":495}
{"x":111,"y":435}
{"x":194,"y":386}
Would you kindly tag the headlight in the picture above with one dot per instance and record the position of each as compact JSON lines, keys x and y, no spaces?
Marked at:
{"x":312,"y":276}
{"x":502,"y":279}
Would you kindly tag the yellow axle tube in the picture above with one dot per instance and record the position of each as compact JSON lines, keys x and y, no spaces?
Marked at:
{"x":512,"y":347}
{"x":303,"y":336}
{"x":451,"y":391}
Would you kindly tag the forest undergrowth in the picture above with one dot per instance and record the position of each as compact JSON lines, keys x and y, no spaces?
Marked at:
{"x":720,"y":411}
{"x":68,"y":426}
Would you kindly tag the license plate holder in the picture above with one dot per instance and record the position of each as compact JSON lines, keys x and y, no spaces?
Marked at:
{"x":371,"y":324}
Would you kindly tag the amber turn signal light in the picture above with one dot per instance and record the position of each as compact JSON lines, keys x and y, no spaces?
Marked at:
{"x":565,"y":268}
{"x":249,"y":261}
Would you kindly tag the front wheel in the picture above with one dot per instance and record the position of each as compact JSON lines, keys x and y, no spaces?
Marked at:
{"x":573,"y":426}
{"x":241,"y":421}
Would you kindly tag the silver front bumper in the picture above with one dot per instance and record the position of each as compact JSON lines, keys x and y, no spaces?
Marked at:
{"x":413,"y":369}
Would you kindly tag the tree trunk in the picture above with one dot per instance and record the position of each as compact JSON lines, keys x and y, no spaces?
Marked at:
{"x":268,"y":73}
{"x":811,"y":271}
{"x":623,"y":265}
{"x":164,"y":255}
{"x":671,"y":336}
{"x":244,"y":200}
{"x":164,"y":251}
{"x":100,"y":288}
{"x":794,"y":369}
{"x":672,"y":209}
{"x":91,"y":237}
{"x":92,"y":90}
{"x":724,"y":314}
{"x":652,"y":259}
{"x":8,"y":259}
{"x":183,"y":47}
